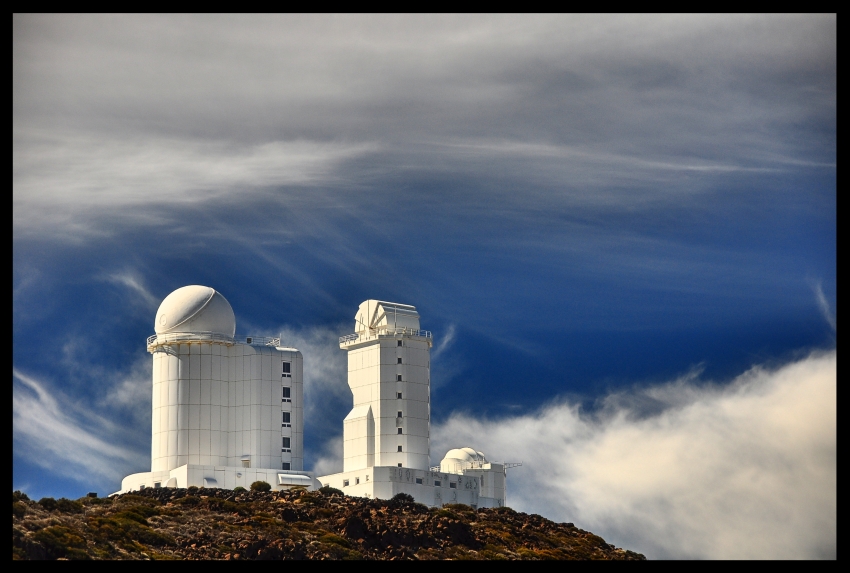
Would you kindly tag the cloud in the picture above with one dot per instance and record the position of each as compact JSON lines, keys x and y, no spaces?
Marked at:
{"x":69,"y":438}
{"x":445,"y":341}
{"x":823,"y":304}
{"x":135,"y":283}
{"x":744,"y":470}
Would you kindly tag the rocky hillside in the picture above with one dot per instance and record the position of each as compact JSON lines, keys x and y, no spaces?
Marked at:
{"x":222,"y":524}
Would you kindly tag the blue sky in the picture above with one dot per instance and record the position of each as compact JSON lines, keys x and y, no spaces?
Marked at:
{"x":611,"y":224}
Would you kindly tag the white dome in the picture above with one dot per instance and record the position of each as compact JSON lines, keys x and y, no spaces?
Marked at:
{"x":195,"y":308}
{"x":459,"y":458}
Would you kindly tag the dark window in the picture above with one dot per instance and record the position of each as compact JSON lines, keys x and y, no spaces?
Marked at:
{"x":399,"y":360}
{"x":398,"y":395}
{"x":399,"y":414}
{"x":287,"y":372}
{"x":286,"y":418}
{"x":398,"y":377}
{"x":157,"y":484}
{"x":286,"y":466}
{"x":287,"y":442}
{"x":287,"y":397}
{"x":399,"y":448}
{"x":399,"y":465}
{"x":399,"y":342}
{"x":452,"y":485}
{"x":438,"y":483}
{"x":345,"y":483}
{"x":399,"y":431}
{"x":419,"y":480}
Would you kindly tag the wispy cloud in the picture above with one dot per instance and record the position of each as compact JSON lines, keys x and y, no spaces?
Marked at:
{"x":445,"y":341}
{"x":71,"y":439}
{"x":135,"y":283}
{"x":823,"y":304}
{"x":744,"y":470}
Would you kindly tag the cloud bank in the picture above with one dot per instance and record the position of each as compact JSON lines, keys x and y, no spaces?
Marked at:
{"x":682,"y":470}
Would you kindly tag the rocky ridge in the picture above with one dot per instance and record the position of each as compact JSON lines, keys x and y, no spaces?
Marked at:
{"x":201,"y":523}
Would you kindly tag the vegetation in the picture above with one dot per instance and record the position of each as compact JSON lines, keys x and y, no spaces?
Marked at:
{"x":261,"y":486}
{"x":207,"y":523}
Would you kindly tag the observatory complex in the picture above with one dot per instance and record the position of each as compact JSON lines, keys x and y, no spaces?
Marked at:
{"x":229,"y":411}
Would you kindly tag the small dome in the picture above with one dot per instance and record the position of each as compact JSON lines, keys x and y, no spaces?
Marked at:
{"x":195,"y":308}
{"x":459,"y":458}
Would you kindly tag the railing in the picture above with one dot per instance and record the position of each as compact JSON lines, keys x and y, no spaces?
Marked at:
{"x":168,"y":338}
{"x":381,"y":331}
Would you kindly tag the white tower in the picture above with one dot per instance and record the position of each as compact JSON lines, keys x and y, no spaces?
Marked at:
{"x":389,"y":376}
{"x":225,"y":412}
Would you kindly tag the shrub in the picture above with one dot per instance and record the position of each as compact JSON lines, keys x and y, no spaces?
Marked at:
{"x":193,"y":489}
{"x":18,"y":509}
{"x":239,"y":488}
{"x":328,"y":490}
{"x":69,"y":506}
{"x":402,"y":498}
{"x":261,"y":486}
{"x":19,"y":496}
{"x":47,"y":503}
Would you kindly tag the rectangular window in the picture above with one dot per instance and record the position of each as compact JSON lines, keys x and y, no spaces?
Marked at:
{"x":286,"y":444}
{"x":399,"y":414}
{"x":419,"y":480}
{"x":399,"y":342}
{"x":399,"y":448}
{"x":438,"y":483}
{"x":399,"y":431}
{"x":246,"y":463}
{"x":399,"y":465}
{"x":287,"y":394}
{"x":399,"y":361}
{"x":157,"y":484}
{"x":398,"y":378}
{"x":286,"y":420}
{"x":452,"y":485}
{"x":398,"y":395}
{"x":345,"y":483}
{"x":286,"y":466}
{"x":356,"y":481}
{"x":287,"y":370}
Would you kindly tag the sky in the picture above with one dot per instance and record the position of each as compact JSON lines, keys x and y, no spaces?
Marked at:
{"x":620,"y":229}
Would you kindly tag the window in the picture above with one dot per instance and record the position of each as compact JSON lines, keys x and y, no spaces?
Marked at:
{"x":399,"y":343}
{"x":367,"y":477}
{"x":345,"y":483}
{"x":399,"y":414}
{"x":452,"y":485}
{"x":398,"y":378}
{"x":287,"y":370}
{"x":419,"y":480}
{"x":399,"y":448}
{"x":399,"y":360}
{"x":398,"y":395}
{"x":356,"y":481}
{"x":246,"y":463}
{"x":286,"y":466}
{"x":438,"y":483}
{"x":286,"y":422}
{"x":157,"y":484}
{"x":399,"y":431}
{"x":141,"y":487}
{"x":286,"y":444}
{"x":286,"y":394}
{"x":399,"y":465}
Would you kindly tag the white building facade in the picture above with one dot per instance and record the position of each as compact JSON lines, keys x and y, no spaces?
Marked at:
{"x":386,"y":435}
{"x":226,"y":412}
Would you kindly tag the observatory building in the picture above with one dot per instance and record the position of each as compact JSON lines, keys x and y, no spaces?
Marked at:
{"x":226,"y":412}
{"x":387,"y":434}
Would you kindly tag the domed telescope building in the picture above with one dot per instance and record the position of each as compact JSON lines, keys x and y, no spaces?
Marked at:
{"x":387,"y":434}
{"x":226,"y":412}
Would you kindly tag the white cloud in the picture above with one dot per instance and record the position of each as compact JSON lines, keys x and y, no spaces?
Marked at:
{"x":135,"y":283}
{"x":68,"y":438}
{"x":823,"y":304}
{"x":744,"y":470}
{"x":445,"y":341}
